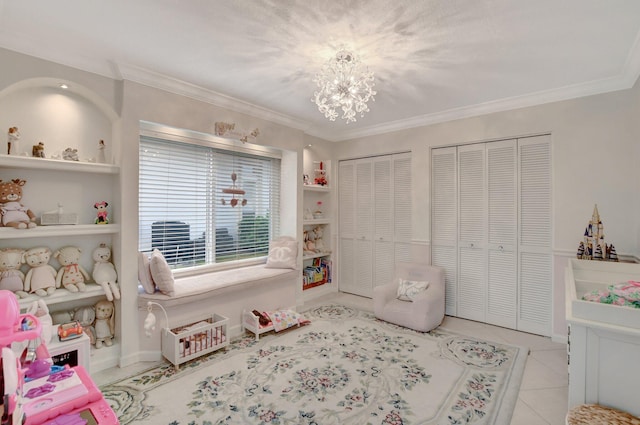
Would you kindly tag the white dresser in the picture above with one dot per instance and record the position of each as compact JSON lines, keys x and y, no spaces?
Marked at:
{"x":604,"y":340}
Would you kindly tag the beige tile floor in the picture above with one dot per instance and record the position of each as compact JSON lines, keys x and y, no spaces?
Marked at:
{"x":542,"y":399}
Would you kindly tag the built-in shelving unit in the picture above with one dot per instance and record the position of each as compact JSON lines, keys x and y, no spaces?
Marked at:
{"x":317,"y":257}
{"x":73,"y":187}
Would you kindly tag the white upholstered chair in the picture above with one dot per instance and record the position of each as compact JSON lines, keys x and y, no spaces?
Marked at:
{"x":426,"y":311}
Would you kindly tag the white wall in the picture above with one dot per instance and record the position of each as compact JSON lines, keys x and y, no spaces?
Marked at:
{"x":595,"y":161}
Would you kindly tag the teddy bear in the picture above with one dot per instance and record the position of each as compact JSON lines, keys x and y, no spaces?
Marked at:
{"x":318,"y":233}
{"x":105,"y":323}
{"x":104,"y":273}
{"x":86,"y":316}
{"x":11,"y":277}
{"x":37,"y":151}
{"x":14,"y":214}
{"x":40,"y":309}
{"x":41,"y":277}
{"x":71,"y":275}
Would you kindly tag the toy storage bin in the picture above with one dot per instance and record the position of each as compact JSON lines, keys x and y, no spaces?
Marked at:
{"x":194,"y":339}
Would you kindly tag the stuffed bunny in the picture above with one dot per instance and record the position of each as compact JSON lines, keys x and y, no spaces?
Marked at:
{"x":41,"y":311}
{"x":104,"y":274}
{"x":71,"y":275}
{"x":41,"y":277}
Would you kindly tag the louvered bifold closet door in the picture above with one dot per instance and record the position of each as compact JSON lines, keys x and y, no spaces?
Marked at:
{"x":363,"y":281}
{"x":535,"y":235}
{"x":502,"y":217}
{"x":383,"y":264}
{"x":444,"y":221}
{"x":402,"y":213}
{"x":472,"y":254}
{"x":347,"y":224}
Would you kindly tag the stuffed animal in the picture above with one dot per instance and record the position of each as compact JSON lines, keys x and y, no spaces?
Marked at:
{"x":104,"y":274}
{"x":105,"y":323}
{"x":14,"y":214}
{"x":102,"y":212}
{"x":41,"y":311}
{"x":86,"y":316}
{"x":71,"y":275}
{"x":41,"y":277}
{"x":62,"y":316}
{"x":318,"y":233}
{"x":311,"y":242}
{"x":11,"y":277}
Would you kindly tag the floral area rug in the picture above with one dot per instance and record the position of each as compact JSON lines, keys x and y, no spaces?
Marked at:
{"x":346,"y":367}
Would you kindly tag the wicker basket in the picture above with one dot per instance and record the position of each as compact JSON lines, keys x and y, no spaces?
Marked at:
{"x":595,"y":414}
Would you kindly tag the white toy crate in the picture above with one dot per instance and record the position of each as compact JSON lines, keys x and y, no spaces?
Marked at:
{"x":194,"y":339}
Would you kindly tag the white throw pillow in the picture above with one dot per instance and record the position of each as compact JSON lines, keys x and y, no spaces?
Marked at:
{"x":283,"y":253}
{"x":161,"y":273}
{"x":144,"y":273}
{"x":408,"y":289}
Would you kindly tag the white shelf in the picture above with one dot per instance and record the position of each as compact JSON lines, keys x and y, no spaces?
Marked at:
{"x":63,"y":230}
{"x":316,"y":188}
{"x":318,"y":255}
{"x":7,"y":161}
{"x":317,"y":221}
{"x":62,"y":295}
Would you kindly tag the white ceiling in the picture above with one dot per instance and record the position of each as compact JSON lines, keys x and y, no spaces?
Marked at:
{"x":433,"y":60}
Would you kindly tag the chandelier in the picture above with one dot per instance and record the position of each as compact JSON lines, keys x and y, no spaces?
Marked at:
{"x":344,"y":83}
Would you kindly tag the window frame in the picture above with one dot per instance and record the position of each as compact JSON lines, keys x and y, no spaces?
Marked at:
{"x":172,"y":134}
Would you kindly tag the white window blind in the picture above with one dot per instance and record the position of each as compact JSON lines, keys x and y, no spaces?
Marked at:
{"x":181,"y":209}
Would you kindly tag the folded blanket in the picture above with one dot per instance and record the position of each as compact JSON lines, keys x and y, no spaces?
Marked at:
{"x":284,"y":319}
{"x":624,"y":294}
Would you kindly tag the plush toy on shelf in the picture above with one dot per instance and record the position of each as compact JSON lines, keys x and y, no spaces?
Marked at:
{"x":41,"y":277}
{"x":86,"y":316}
{"x":40,"y":309}
{"x":14,"y":214}
{"x":104,"y":273}
{"x":71,"y":275}
{"x":11,"y":277}
{"x":105,"y":323}
{"x":102,"y":212}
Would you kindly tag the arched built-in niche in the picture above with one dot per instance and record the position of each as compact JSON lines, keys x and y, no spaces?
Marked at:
{"x":74,"y":117}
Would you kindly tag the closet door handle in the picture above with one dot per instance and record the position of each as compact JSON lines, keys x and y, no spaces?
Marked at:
{"x":471,"y":245}
{"x":501,"y":248}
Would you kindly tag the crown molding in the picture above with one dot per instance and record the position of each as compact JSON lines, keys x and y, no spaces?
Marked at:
{"x":176,"y":86}
{"x":548,"y":96}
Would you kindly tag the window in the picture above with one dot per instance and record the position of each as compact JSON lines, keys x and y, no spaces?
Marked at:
{"x":183,"y":210}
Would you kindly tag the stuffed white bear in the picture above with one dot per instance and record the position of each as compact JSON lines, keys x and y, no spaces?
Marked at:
{"x":104,"y":273}
{"x":11,"y":277}
{"x":71,"y":275}
{"x":41,"y":277}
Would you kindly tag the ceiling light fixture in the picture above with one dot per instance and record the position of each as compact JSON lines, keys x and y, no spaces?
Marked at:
{"x":344,"y":83}
{"x":64,"y":86}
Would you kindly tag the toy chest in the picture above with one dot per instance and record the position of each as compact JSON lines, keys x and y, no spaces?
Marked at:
{"x":194,"y":339}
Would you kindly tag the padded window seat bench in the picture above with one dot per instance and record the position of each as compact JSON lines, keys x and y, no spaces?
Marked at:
{"x":192,"y":288}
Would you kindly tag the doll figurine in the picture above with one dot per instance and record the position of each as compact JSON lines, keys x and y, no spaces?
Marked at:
{"x":102,"y":212}
{"x":13,"y":136}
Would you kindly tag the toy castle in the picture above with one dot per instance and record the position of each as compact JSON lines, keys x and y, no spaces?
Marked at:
{"x":593,"y":247}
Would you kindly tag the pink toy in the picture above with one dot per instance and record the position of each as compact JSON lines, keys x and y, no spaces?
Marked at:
{"x":102,"y":212}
